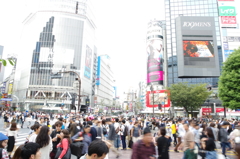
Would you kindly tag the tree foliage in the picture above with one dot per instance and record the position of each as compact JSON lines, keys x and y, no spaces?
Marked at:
{"x":229,"y":83}
{"x":10,"y":60}
{"x":188,"y":96}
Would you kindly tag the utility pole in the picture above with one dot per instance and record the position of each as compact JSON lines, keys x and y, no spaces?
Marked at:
{"x":152,"y":90}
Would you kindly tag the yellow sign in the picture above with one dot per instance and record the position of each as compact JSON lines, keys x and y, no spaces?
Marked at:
{"x":10,"y":87}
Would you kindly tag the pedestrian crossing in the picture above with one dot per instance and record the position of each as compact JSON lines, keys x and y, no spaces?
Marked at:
{"x":21,"y":138}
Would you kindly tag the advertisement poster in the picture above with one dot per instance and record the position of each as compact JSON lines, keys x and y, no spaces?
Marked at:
{"x":10,"y":87}
{"x":157,"y":97}
{"x":227,"y":11}
{"x":198,"y":49}
{"x":155,"y":61}
{"x":228,"y":21}
{"x":3,"y":88}
{"x":88,"y":62}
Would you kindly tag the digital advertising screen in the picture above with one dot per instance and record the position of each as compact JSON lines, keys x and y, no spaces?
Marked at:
{"x":153,"y":98}
{"x":198,"y":48}
{"x":88,"y":62}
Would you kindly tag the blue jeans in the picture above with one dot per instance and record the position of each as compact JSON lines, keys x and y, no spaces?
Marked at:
{"x":117,"y":142}
{"x":224,"y":145}
{"x":123,"y":138}
{"x":211,"y":155}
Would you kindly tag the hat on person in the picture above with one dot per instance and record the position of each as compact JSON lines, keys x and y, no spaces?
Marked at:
{"x":3,"y":137}
{"x":225,"y":123}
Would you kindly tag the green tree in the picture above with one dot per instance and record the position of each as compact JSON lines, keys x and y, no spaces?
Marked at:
{"x":229,"y":83}
{"x":188,"y":96}
{"x":10,"y":60}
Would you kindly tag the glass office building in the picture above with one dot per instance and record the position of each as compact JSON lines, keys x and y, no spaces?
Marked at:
{"x":176,"y":8}
{"x":58,"y":36}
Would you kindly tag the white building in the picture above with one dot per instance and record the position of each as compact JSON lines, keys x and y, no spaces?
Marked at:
{"x":57,"y":36}
{"x":105,"y":83}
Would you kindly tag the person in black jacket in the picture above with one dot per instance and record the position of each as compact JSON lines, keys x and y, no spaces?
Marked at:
{"x":56,"y":138}
{"x":163,"y":144}
{"x":93,"y":131}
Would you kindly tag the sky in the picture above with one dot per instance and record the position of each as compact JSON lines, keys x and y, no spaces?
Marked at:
{"x":121,"y":33}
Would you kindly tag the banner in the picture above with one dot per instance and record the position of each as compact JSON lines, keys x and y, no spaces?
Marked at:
{"x":229,"y":21}
{"x":227,"y":11}
{"x":155,"y":49}
{"x":157,"y":97}
{"x":88,"y":62}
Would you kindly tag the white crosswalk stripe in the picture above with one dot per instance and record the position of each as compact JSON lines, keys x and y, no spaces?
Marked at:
{"x":21,"y":138}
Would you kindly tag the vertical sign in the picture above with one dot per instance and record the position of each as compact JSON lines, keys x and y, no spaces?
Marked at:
{"x":155,"y":51}
{"x":88,"y":62}
{"x":98,"y":71}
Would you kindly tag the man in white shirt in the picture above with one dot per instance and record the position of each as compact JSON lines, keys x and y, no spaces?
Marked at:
{"x":181,"y":133}
{"x":123,"y":134}
{"x":118,"y":133}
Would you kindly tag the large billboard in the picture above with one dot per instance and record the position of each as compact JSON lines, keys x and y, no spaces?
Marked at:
{"x":197,"y":51}
{"x":155,"y":74}
{"x":88,"y":62}
{"x":153,"y":98}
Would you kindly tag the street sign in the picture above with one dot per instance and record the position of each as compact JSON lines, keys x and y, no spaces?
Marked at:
{"x":6,"y":99}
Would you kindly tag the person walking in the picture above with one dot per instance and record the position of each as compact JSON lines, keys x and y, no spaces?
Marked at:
{"x":188,"y":143}
{"x":144,"y":148}
{"x":56,"y":138}
{"x":32,"y":137}
{"x":45,"y":142}
{"x":64,"y":143}
{"x":135,"y":132}
{"x":223,"y":137}
{"x":84,"y":137}
{"x":163,"y":144}
{"x":181,"y":133}
{"x":208,"y":144}
{"x":174,"y":132}
{"x":12,"y":136}
{"x":124,"y":133}
{"x":111,"y":136}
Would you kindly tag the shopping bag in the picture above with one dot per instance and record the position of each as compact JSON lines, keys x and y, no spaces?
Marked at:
{"x":76,"y":148}
{"x":130,"y":144}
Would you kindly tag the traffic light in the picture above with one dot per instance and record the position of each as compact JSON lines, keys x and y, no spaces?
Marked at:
{"x":160,"y":106}
{"x":87,"y":102}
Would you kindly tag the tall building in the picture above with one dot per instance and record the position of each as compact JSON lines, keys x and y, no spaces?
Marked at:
{"x":1,"y":66}
{"x":58,"y":36}
{"x":176,"y":8}
{"x":105,"y":90}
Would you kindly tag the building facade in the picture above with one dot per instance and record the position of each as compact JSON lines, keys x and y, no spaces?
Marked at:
{"x":105,"y":90}
{"x":59,"y":36}
{"x":176,"y":8}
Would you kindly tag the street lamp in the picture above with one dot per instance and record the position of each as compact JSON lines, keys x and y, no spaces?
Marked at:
{"x":152,"y":90}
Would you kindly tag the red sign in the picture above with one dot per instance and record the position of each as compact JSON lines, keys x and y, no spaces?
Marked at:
{"x":228,"y":19}
{"x":160,"y":97}
{"x":209,"y":110}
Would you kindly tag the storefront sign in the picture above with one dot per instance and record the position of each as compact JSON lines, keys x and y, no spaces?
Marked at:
{"x":196,"y":24}
{"x":229,"y":21}
{"x":227,"y":11}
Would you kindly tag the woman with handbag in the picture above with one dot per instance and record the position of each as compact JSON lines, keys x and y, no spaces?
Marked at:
{"x":64,"y":151}
{"x":45,"y":142}
{"x":85,"y":137}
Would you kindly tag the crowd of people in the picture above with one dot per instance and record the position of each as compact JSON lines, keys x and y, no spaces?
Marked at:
{"x":59,"y":136}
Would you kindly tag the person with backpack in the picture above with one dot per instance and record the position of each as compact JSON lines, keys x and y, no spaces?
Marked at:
{"x":135,"y":132}
{"x":124,"y":133}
